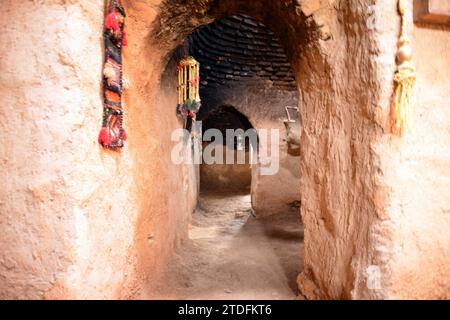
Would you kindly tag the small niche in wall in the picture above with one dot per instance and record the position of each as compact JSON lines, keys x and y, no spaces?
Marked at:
{"x":432,"y":11}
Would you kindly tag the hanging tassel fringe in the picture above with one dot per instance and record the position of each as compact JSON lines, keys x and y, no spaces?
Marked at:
{"x":404,"y":78}
{"x":103,"y":137}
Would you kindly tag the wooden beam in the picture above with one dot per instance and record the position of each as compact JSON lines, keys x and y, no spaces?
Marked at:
{"x":432,"y":11}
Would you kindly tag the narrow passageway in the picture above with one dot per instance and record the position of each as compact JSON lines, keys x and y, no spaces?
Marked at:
{"x":231,"y":254}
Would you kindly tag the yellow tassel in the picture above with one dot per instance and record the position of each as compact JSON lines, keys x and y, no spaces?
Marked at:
{"x":404,"y":78}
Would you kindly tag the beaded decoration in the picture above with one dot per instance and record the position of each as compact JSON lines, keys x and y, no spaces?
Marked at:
{"x":112,"y":134}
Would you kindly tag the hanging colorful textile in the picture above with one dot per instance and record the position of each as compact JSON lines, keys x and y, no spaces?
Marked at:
{"x":188,"y":90}
{"x":404,"y":78}
{"x":112,"y":134}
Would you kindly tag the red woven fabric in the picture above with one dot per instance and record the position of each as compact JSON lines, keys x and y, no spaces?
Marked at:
{"x":111,"y":22}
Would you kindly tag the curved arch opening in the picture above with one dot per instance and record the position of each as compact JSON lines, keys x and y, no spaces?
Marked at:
{"x":246,"y":83}
{"x":227,"y":178}
{"x":337,"y":128}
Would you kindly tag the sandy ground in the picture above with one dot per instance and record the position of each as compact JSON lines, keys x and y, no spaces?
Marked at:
{"x":233,"y":255}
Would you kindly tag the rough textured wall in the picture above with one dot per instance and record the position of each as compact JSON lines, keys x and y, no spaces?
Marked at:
{"x":409,"y":241}
{"x":47,"y":96}
{"x":78,"y":221}
{"x":340,"y":98}
{"x":418,"y":177}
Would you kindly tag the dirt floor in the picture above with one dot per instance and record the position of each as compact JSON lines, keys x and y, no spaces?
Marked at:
{"x":233,"y":255}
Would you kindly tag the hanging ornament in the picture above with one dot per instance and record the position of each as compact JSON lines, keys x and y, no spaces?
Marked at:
{"x":112,"y":134}
{"x":188,"y":90}
{"x":404,"y":78}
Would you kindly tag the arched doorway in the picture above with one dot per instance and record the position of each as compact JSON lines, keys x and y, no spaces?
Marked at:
{"x":337,"y":128}
{"x":246,"y":84}
{"x":235,"y":177}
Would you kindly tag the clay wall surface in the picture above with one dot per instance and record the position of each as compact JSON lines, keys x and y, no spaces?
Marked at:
{"x":79,"y":221}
